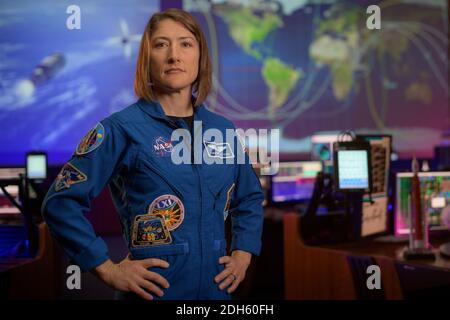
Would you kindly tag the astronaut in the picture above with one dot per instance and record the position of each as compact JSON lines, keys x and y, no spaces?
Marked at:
{"x":173,"y":215}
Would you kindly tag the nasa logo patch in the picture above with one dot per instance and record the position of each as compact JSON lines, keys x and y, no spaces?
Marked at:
{"x":92,"y":140}
{"x":162,"y":147}
{"x":170,"y":208}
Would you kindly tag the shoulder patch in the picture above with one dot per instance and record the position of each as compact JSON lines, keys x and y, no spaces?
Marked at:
{"x":68,"y":176}
{"x":92,"y":140}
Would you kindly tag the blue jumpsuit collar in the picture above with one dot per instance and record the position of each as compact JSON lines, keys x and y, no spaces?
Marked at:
{"x":155,"y":110}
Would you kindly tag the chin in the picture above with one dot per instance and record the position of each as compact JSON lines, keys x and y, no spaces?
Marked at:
{"x":176,"y":86}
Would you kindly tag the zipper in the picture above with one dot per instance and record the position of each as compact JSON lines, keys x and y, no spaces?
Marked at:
{"x":184,"y":126}
{"x":200,"y":227}
{"x":195,"y":166}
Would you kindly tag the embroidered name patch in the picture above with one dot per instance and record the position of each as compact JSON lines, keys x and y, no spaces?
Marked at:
{"x":150,"y":230}
{"x":162,"y":147}
{"x":68,"y":176}
{"x":170,"y":208}
{"x":92,"y":140}
{"x":218,"y":150}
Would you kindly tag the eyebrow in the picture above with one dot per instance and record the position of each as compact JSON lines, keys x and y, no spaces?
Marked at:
{"x":168,"y":39}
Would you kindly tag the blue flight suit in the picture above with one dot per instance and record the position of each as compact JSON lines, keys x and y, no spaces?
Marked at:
{"x":130,"y":151}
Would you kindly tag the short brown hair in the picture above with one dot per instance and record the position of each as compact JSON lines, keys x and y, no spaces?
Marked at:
{"x":202,"y":85}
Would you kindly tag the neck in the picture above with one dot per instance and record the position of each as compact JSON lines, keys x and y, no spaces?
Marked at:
{"x":176,"y":104}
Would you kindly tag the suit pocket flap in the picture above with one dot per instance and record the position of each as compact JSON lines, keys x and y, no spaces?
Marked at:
{"x":157,"y":251}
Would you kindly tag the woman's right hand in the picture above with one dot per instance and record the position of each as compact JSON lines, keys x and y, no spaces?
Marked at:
{"x":133,"y":276}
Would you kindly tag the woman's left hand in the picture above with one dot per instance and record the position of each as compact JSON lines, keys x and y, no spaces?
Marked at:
{"x":235,"y":267}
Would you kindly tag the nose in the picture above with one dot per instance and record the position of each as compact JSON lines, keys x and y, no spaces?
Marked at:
{"x":173,"y":54}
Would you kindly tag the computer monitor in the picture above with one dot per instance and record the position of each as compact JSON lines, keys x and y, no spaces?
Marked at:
{"x":36,"y":165}
{"x":435,"y":190}
{"x":7,"y":208}
{"x":294,"y":181}
{"x":352,"y":166}
{"x":353,"y":169}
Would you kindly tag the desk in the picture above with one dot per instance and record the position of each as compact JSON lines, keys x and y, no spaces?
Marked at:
{"x":31,"y":278}
{"x":327,"y":272}
{"x":393,"y":251}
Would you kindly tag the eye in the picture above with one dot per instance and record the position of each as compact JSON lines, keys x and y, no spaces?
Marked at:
{"x":186,"y":44}
{"x":160,"y":44}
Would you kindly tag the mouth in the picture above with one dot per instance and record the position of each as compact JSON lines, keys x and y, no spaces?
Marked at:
{"x":174,"y":70}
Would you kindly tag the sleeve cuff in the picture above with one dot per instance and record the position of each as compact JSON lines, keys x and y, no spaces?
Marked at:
{"x":93,"y":256}
{"x":254,"y":247}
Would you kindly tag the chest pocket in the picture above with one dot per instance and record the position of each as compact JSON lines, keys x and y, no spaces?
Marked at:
{"x":161,"y":166}
{"x":149,"y":182}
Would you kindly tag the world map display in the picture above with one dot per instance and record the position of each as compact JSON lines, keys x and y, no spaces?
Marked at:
{"x":312,"y":66}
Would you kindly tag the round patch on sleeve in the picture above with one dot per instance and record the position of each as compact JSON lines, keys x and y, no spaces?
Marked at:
{"x":92,"y":140}
{"x":170,"y":208}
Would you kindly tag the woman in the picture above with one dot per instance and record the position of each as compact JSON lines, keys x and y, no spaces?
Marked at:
{"x":172,"y":214}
